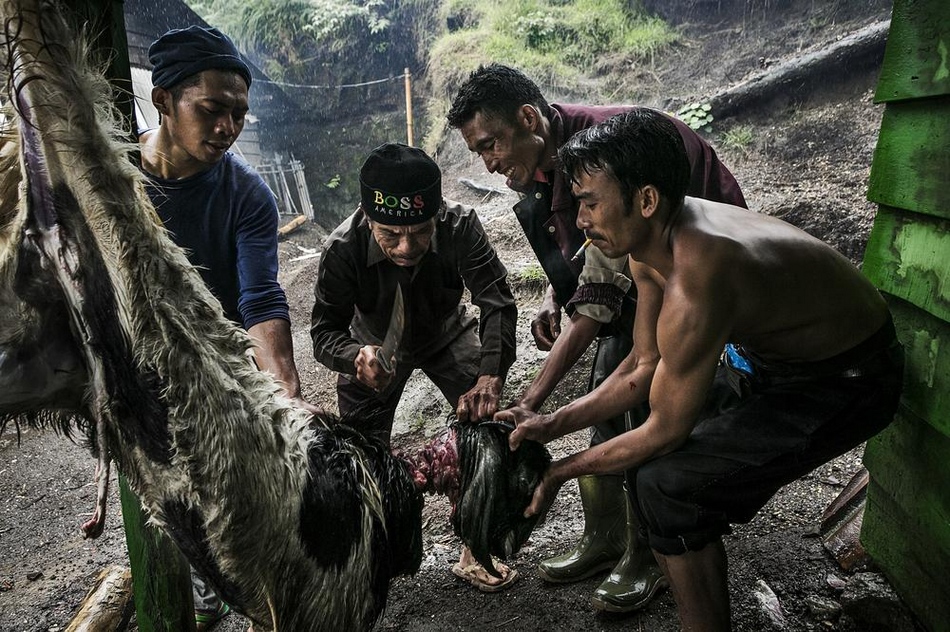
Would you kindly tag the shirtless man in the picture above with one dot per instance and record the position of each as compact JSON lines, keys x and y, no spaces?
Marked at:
{"x":812,"y":366}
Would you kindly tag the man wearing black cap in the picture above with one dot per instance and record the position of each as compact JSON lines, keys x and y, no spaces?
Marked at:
{"x":213,"y":203}
{"x":405,"y":238}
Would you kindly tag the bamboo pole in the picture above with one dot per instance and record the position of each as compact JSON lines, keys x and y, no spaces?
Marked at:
{"x":408,"y":107}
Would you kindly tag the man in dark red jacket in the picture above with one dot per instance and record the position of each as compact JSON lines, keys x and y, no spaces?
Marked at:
{"x":505,"y":119}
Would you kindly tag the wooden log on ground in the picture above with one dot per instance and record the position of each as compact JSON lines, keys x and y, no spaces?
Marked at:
{"x":108,"y":604}
{"x":798,"y":77}
{"x":291,"y":226}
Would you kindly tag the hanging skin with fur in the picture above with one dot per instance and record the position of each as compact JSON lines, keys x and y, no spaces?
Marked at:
{"x":106,"y":328}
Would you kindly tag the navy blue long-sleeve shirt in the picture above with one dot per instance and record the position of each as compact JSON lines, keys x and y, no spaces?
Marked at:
{"x":226,"y":220}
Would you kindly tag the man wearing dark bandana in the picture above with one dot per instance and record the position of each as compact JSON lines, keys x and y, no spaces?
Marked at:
{"x":214,"y":204}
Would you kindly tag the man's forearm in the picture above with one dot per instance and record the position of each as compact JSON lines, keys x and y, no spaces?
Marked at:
{"x":616,"y":455}
{"x":497,"y":337}
{"x":625,"y":388}
{"x":274,"y":353}
{"x":568,"y":347}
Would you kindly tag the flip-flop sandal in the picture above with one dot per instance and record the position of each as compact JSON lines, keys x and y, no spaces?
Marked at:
{"x":204,"y":620}
{"x":470,"y":574}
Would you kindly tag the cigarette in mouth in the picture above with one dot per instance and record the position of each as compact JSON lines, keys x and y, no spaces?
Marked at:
{"x":580,"y":251}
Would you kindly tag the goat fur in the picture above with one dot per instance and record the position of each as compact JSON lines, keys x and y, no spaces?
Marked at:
{"x":247,"y":485}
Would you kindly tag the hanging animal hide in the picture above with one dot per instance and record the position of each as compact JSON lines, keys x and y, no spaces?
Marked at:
{"x":299,"y":523}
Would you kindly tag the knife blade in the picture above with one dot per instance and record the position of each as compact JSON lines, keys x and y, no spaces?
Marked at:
{"x":386,"y":354}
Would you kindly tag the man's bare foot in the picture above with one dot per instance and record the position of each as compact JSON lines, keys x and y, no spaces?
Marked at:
{"x":474,"y":573}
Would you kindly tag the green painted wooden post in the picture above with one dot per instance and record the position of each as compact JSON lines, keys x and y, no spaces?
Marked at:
{"x":907,"y":521}
{"x":161,"y":580}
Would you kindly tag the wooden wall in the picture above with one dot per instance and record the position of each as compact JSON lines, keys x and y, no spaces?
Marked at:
{"x":907,"y":521}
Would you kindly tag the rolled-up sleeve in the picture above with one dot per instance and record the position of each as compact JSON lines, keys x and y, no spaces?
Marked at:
{"x":602,"y":285}
{"x":261,"y":297}
{"x":487,"y":280}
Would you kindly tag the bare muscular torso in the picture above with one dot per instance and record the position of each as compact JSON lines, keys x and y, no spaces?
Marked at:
{"x":710,"y":275}
{"x":765,"y":284}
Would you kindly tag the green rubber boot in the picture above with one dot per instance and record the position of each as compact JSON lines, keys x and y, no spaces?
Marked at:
{"x":605,"y":536}
{"x":636,"y":578}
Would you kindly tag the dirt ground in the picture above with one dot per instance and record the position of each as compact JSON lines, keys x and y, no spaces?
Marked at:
{"x":806,"y":161}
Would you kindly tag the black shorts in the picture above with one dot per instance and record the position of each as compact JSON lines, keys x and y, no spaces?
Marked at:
{"x":759,"y":432}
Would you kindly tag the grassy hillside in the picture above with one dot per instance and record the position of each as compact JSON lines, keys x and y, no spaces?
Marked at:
{"x":313,"y":45}
{"x":558,"y":42}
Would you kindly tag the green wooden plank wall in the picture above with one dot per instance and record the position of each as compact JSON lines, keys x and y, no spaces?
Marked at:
{"x":899,"y":546}
{"x":921,"y":490}
{"x":926,"y":341}
{"x":906,"y":525}
{"x":908,"y":256}
{"x":911,"y":165}
{"x":917,"y":58}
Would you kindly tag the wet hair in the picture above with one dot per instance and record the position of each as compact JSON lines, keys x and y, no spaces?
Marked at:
{"x":636,"y":148}
{"x":497,"y":91}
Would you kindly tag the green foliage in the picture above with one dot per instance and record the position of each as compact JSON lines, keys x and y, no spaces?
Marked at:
{"x":574,"y":34}
{"x":417,"y":424}
{"x":697,"y":116}
{"x":530,"y":374}
{"x":738,"y":138}
{"x":333,"y":182}
{"x":325,"y":50}
{"x":529,"y":279}
{"x":533,"y":273}
{"x":542,"y":31}
{"x":817,"y":22}
{"x":325,"y":42}
{"x":330,"y":18}
{"x":554,"y":41}
{"x":275,"y":28}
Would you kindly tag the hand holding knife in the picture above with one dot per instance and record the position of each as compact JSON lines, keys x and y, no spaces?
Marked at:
{"x":376,"y":365}
{"x":386,"y":353}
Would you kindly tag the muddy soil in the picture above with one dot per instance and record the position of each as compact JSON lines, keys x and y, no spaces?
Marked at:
{"x":805,"y":160}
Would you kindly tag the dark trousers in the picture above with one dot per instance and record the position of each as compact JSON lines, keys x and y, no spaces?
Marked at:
{"x":453,"y":369}
{"x":757,"y":433}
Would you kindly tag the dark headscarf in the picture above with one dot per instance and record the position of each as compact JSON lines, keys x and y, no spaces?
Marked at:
{"x":181,"y":53}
